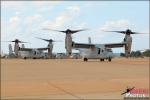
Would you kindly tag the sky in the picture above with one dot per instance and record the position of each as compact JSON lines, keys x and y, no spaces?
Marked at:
{"x":25,"y":20}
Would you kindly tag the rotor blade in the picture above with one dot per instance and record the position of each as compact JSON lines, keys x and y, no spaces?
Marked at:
{"x":15,"y":41}
{"x":54,"y":30}
{"x":71,"y":31}
{"x":42,"y":39}
{"x":12,"y":41}
{"x":138,"y":33}
{"x":75,"y":31}
{"x":47,"y":40}
{"x":57,"y":41}
{"x":18,"y":41}
{"x":123,"y":32}
{"x":6,"y":41}
{"x":23,"y":42}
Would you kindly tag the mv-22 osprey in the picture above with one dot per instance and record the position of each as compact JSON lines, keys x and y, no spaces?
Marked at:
{"x":104,"y":51}
{"x":25,"y":52}
{"x":68,"y":38}
{"x":38,"y":52}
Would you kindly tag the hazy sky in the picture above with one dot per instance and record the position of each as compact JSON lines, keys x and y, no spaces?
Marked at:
{"x":26,"y":19}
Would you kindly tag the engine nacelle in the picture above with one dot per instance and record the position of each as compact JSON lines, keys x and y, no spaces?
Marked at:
{"x":128,"y":41}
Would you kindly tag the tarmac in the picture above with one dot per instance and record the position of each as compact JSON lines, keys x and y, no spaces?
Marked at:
{"x":72,"y":78}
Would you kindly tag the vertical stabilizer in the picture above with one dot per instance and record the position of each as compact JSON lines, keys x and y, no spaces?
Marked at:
{"x":89,"y":40}
{"x":23,"y":46}
{"x":10,"y":49}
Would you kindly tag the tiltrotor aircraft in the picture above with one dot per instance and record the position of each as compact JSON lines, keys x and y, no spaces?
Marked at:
{"x":25,"y":52}
{"x":104,"y":51}
{"x":68,"y":38}
{"x":50,"y":46}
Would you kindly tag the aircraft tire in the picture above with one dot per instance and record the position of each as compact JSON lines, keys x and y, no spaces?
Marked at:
{"x":101,"y":59}
{"x":34,"y":58}
{"x":109,"y":59}
{"x":85,"y":59}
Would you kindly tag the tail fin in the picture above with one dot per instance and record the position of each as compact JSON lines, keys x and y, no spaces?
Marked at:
{"x":10,"y":49}
{"x":23,"y":46}
{"x":89,"y":40}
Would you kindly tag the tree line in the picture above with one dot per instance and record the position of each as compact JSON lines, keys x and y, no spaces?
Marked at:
{"x":138,"y":53}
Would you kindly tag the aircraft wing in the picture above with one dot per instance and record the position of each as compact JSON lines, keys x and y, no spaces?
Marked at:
{"x":30,"y":49}
{"x":81,"y":45}
{"x":114,"y":45}
{"x":25,"y":49}
{"x":42,"y":48}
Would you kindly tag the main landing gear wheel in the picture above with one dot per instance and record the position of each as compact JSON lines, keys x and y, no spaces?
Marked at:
{"x":85,"y":59}
{"x":109,"y":59}
{"x":101,"y":59}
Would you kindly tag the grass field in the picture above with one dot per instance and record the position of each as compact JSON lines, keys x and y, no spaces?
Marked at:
{"x":71,"y":78}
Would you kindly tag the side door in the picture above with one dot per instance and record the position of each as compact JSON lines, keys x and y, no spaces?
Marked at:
{"x":98,"y":51}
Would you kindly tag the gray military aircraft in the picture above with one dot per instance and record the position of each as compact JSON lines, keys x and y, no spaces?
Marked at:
{"x":34,"y":53}
{"x":68,"y":38}
{"x":22,"y":52}
{"x":15,"y":53}
{"x":50,"y":46}
{"x":104,"y":51}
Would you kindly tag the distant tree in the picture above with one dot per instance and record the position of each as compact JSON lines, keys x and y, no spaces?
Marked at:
{"x":138,"y":54}
{"x":132,"y":54}
{"x":122,"y":54}
{"x":146,"y":53}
